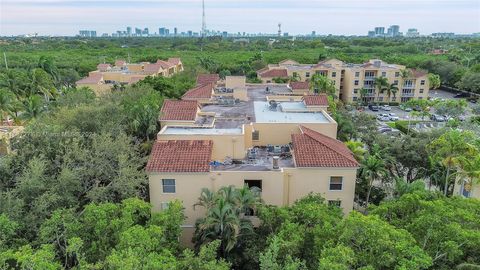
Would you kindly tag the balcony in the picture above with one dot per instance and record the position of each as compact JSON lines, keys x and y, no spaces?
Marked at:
{"x":408,"y":94}
{"x":408,"y":86}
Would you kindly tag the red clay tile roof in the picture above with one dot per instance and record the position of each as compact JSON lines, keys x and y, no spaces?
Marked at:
{"x":316,"y":100}
{"x":103,"y":67}
{"x":174,"y":60}
{"x":120,"y":63}
{"x":207,"y":78}
{"x":184,"y":110}
{"x":418,"y":73}
{"x":313,"y":149}
{"x":201,"y":91}
{"x":135,"y":79}
{"x":93,"y":78}
{"x":180,"y":156}
{"x":152,"y":68}
{"x":299,"y":85}
{"x":164,"y":64}
{"x":275,"y":73}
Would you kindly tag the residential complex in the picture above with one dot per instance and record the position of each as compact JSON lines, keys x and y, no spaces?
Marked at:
{"x":349,"y":79}
{"x":224,"y":133}
{"x":121,"y":73}
{"x":466,"y":189}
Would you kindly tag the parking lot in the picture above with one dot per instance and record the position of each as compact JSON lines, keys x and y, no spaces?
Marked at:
{"x":403,"y":115}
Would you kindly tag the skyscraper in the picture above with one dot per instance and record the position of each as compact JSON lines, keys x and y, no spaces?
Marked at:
{"x":129,"y":31}
{"x":379,"y":31}
{"x":175,"y":31}
{"x":394,"y":30}
{"x":162,"y":31}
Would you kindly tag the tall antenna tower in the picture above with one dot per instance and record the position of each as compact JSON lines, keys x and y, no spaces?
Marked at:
{"x":279,"y":29}
{"x":204,"y":23}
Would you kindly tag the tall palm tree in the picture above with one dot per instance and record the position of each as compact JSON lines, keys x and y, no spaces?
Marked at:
{"x":380,"y":84}
{"x":450,"y":150}
{"x":363,"y":94}
{"x":6,"y":103}
{"x":32,"y":107}
{"x":321,"y":84}
{"x":391,"y":89}
{"x":373,"y":168}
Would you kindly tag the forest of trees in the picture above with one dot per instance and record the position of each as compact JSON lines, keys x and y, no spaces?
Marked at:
{"x":74,"y":193}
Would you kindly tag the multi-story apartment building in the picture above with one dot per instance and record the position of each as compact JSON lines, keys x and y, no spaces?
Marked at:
{"x":106,"y":75}
{"x":466,"y":188}
{"x":224,"y":133}
{"x":349,"y":79}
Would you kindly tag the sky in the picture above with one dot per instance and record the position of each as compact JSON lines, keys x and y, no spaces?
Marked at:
{"x":348,"y":17}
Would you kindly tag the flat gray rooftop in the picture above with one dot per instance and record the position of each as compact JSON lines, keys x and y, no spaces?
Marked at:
{"x":201,"y":131}
{"x":262,"y":162}
{"x":263,"y":114}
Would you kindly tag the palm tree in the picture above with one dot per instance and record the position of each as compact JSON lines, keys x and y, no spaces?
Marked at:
{"x":363,"y":94}
{"x":6,"y":103}
{"x":224,"y":219}
{"x":373,"y":168}
{"x":32,"y":107}
{"x":391,"y":89}
{"x":470,"y":170}
{"x":450,"y":150}
{"x":357,"y":149}
{"x":380,"y":83}
{"x":321,"y":84}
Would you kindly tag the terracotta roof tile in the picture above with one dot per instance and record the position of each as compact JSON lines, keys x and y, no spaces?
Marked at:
{"x":201,"y":91}
{"x":165,"y":64}
{"x":313,"y":149}
{"x":207,"y":78}
{"x":93,"y":78}
{"x":152,"y":68}
{"x":180,"y":156}
{"x":103,"y":67}
{"x":418,"y":73}
{"x":316,"y":100}
{"x":275,"y":73}
{"x":174,"y":60}
{"x":299,"y":85}
{"x":184,"y":110}
{"x":120,"y":63}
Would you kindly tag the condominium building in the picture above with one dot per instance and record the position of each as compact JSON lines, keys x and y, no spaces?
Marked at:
{"x":466,"y":188}
{"x":225,"y":133}
{"x":123,"y":73}
{"x":349,"y":79}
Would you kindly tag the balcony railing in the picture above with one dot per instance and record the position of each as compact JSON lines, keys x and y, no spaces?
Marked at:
{"x":411,"y":94}
{"x":406,"y":86}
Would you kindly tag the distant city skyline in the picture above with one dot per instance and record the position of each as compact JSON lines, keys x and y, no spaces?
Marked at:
{"x":348,"y":17}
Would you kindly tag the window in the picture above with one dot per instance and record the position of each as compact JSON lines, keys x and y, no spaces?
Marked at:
{"x":334,"y":74}
{"x":384,"y":74}
{"x":356,"y":82}
{"x":421,"y":91}
{"x":336,"y":203}
{"x":395,"y":82}
{"x":168,"y":185}
{"x":336,"y":183}
{"x":420,"y":97}
{"x":355,"y":91}
{"x":333,"y":82}
{"x":357,"y":74}
{"x":307,"y":74}
{"x":354,"y":98}
{"x":253,"y":183}
{"x":256,"y":135}
{"x":380,"y":99}
{"x":422,"y":82}
{"x":397,"y":74}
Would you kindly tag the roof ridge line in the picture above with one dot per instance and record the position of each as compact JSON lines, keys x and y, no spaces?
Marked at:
{"x":349,"y":157}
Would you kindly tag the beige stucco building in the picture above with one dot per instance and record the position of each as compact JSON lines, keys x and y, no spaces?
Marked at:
{"x":349,"y":79}
{"x":466,"y":189}
{"x":106,"y":76}
{"x":287,"y":148}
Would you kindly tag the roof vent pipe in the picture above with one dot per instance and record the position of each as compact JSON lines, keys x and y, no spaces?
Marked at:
{"x":275,"y":162}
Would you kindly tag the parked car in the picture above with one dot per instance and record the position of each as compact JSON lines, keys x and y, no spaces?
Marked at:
{"x":405,"y":108}
{"x":373,"y":108}
{"x":386,"y":108}
{"x":383,"y":117}
{"x":417,"y":108}
{"x":462,"y":95}
{"x":393,"y":117}
{"x":437,"y":118}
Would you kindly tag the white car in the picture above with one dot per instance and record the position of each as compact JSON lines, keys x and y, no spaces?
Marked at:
{"x":386,"y":108}
{"x":383,"y":117}
{"x":393,"y":117}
